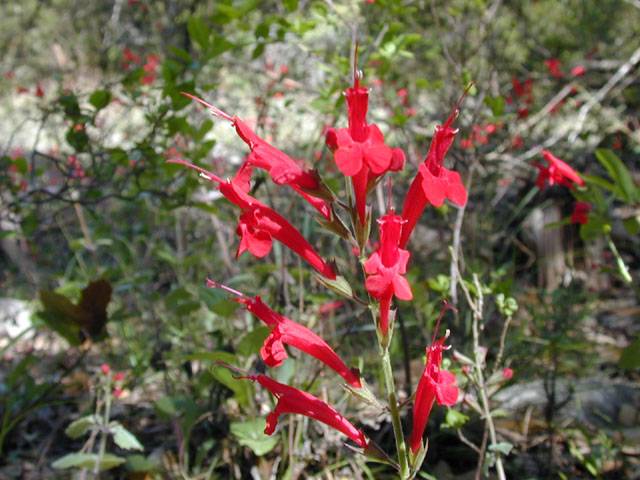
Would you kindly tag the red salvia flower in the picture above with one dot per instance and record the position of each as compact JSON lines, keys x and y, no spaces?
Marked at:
{"x":434,"y":182}
{"x":359,"y":150}
{"x":435,"y":384}
{"x":259,"y":224}
{"x":386,"y":266}
{"x":282,"y":169}
{"x":557,"y":172}
{"x":580,"y":210}
{"x":553,"y":65}
{"x":285,"y":330}
{"x":292,"y":400}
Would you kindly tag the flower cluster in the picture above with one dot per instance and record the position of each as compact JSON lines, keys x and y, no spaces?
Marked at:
{"x":363,"y":158}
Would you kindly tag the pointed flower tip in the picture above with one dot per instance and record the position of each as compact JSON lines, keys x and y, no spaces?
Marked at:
{"x":456,"y":109}
{"x":207,"y":173}
{"x":215,"y":110}
{"x":214,"y":284}
{"x":244,"y":373}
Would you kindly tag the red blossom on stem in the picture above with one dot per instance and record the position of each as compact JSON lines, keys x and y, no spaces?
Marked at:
{"x":359,"y":150}
{"x":578,"y":71}
{"x":434,"y":182}
{"x":282,"y":169}
{"x":386,"y":266}
{"x":259,"y":224}
{"x":285,"y":330}
{"x":580,"y":210}
{"x":553,"y":65}
{"x":435,"y":385}
{"x":292,"y":400}
{"x":557,"y":172}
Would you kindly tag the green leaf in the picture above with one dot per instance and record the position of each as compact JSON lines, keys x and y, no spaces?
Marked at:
{"x":632,"y":225}
{"x":252,"y":341}
{"x":88,"y":460}
{"x":630,"y":358}
{"x":290,"y":5}
{"x":620,"y":175}
{"x":125,"y":439}
{"x":100,"y":99}
{"x":502,"y":447}
{"x":455,"y":419}
{"x":496,"y":104}
{"x":217,"y":301}
{"x":593,"y":228}
{"x":251,"y":434}
{"x":199,"y":32}
{"x":220,"y":45}
{"x":79,"y":427}
{"x":139,"y":463}
{"x":181,"y":53}
{"x":21,"y":164}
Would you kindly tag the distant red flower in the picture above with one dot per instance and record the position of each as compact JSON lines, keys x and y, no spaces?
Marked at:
{"x":259,"y":224}
{"x":282,"y":169}
{"x":580,"y":210}
{"x":117,"y":392}
{"x":39,"y":91}
{"x":386,"y":266}
{"x":507,"y":373}
{"x":553,"y":65}
{"x":557,"y":172}
{"x":578,"y":71}
{"x":118,"y":376}
{"x":292,"y":400}
{"x":105,"y":368}
{"x":434,"y":182}
{"x":522,"y":89}
{"x":285,"y":330}
{"x":516,"y":142}
{"x":523,"y":112}
{"x":466,"y":143}
{"x":132,"y":57}
{"x":435,"y":385}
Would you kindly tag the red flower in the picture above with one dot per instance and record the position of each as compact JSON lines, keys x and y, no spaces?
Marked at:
{"x":435,"y":384}
{"x":522,"y":89}
{"x":434,"y":182}
{"x":580,"y":210}
{"x":553,"y":65}
{"x":507,"y":373}
{"x":292,"y":400}
{"x":105,"y":368}
{"x":386,"y":266}
{"x":39,"y":91}
{"x":259,"y":224}
{"x":577,"y":71}
{"x":557,"y":172}
{"x":359,"y":151}
{"x":285,"y":330}
{"x":282,"y":169}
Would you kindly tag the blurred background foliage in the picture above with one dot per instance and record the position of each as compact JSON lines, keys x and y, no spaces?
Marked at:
{"x":92,"y":110}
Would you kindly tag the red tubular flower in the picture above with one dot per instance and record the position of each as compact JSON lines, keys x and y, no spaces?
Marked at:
{"x":435,"y":384}
{"x":434,"y":183}
{"x":259,"y":224}
{"x":553,"y":65}
{"x":580,"y":210}
{"x":292,"y":400}
{"x":282,"y":169}
{"x":557,"y":172}
{"x":359,"y":151}
{"x":386,"y":267}
{"x":285,"y":330}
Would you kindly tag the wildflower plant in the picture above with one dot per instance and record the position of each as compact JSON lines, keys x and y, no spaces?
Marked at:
{"x":364,"y":159}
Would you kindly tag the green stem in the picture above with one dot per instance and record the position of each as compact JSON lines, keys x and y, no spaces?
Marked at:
{"x":105,"y":425}
{"x":401,"y":446}
{"x":622,"y":267}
